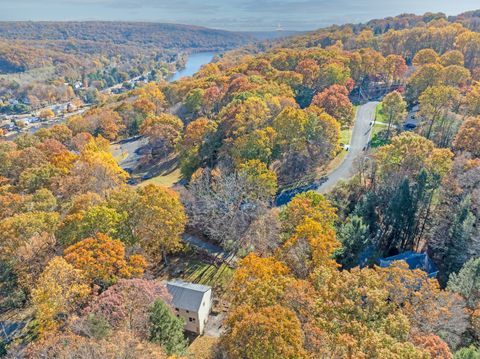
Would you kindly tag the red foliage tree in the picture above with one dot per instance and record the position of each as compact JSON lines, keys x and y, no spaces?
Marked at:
{"x":127,"y":304}
{"x":336,"y":103}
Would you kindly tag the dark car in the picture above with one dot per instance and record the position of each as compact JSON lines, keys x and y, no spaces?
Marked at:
{"x":147,"y":176}
{"x":409,"y":126}
{"x":133,"y":181}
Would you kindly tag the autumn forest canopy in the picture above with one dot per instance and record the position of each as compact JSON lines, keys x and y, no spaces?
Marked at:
{"x":48,"y":62}
{"x":182,"y":179}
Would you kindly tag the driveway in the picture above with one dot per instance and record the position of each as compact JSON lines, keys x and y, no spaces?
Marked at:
{"x":214,"y":327}
{"x":127,"y":150}
{"x":360,"y":137}
{"x":212,"y":249}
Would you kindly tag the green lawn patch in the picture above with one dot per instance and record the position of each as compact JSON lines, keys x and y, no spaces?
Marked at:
{"x":346,"y":135}
{"x":166,"y":179}
{"x":208,"y":274}
{"x":379,"y":136}
{"x":379,"y":115}
{"x":195,"y":270}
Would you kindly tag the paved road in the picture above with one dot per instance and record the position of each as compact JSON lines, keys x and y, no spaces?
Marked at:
{"x":360,"y":138}
{"x":128,"y":151}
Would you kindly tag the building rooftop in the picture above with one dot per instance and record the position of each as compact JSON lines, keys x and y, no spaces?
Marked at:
{"x":414,"y":260}
{"x":186,"y":295}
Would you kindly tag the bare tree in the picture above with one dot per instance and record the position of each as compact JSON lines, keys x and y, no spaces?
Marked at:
{"x":225,"y":209}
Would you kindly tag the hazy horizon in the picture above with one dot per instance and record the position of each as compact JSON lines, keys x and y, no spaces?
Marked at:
{"x":237,"y":15}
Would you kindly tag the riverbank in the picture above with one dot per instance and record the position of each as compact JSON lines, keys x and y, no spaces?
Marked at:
{"x":194,"y":62}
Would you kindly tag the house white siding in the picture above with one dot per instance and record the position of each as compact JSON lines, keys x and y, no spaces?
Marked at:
{"x":204,"y":310}
{"x":192,"y":303}
{"x":190,"y":318}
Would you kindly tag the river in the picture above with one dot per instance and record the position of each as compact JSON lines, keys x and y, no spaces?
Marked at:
{"x":194,"y":63}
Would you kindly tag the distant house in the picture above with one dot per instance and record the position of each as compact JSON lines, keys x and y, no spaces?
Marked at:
{"x":192,"y":302}
{"x":414,"y":260}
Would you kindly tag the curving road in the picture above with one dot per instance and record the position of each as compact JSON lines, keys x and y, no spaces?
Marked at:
{"x":360,"y":137}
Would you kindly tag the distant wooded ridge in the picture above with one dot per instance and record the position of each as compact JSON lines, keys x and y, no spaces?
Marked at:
{"x":155,"y":34}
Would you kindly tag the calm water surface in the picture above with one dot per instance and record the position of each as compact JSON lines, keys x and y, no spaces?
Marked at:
{"x":194,"y":63}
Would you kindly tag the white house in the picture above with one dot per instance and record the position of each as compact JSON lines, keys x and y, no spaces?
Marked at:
{"x":192,"y":302}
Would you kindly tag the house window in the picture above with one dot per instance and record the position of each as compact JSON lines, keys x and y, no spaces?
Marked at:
{"x":176,"y":309}
{"x":191,"y":319}
{"x":178,"y":315}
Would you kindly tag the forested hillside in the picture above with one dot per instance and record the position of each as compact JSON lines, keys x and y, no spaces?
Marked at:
{"x":61,"y":57}
{"x":167,"y":36}
{"x":86,"y":245}
{"x":107,"y":39}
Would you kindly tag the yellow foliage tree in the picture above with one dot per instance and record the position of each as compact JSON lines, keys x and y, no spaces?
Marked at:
{"x":46,"y":114}
{"x":468,"y":137}
{"x":259,"y":281}
{"x":161,"y":220}
{"x":308,"y":204}
{"x":310,"y":246}
{"x":59,"y":291}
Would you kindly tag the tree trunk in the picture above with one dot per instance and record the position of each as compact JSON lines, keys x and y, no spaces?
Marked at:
{"x":430,"y":128}
{"x":389,"y":126}
{"x":164,"y":255}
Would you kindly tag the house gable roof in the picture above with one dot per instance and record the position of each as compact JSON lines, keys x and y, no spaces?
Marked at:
{"x":188,"y":296}
{"x":414,"y":260}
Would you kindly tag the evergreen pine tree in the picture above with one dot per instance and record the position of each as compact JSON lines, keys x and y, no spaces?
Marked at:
{"x":166,"y":329}
{"x":457,"y":240}
{"x":354,"y":237}
{"x":467,"y":282}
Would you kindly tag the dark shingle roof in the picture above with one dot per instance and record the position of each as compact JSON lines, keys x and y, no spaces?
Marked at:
{"x":185,"y":295}
{"x":414,"y":260}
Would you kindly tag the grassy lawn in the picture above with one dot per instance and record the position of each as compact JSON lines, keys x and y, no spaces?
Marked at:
{"x":346,"y":135}
{"x":378,"y":128}
{"x":379,"y":115}
{"x":355,"y":109}
{"x":208,"y":274}
{"x":378,"y":136}
{"x":193,"y":268}
{"x":166,"y":179}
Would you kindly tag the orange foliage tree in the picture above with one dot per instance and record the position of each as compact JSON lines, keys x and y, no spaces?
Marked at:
{"x":468,"y":137}
{"x":270,"y":332}
{"x":336,"y":103}
{"x":103,"y":260}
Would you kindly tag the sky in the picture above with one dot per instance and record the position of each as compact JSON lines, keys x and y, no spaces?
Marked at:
{"x":238,"y":15}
